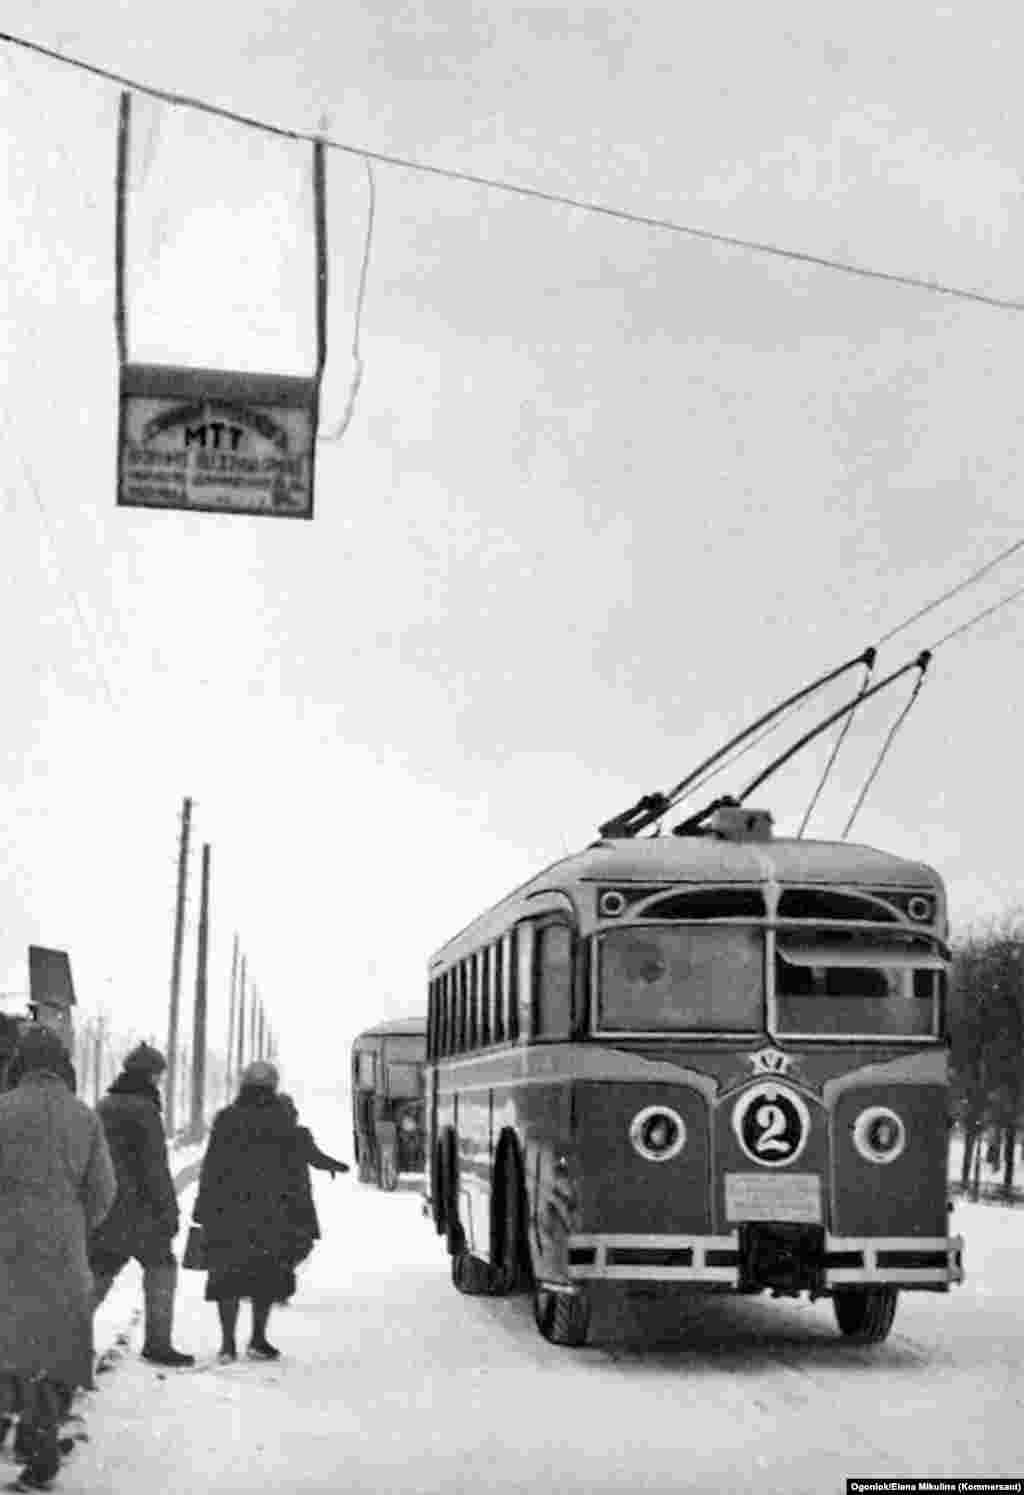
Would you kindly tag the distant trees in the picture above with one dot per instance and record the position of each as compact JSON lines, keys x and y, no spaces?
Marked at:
{"x":986,"y":1020}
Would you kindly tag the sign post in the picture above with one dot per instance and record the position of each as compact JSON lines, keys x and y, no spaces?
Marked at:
{"x":209,"y":439}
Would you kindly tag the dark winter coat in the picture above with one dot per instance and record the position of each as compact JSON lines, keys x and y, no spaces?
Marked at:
{"x":145,"y":1213}
{"x":56,"y":1183}
{"x":254,"y":1198}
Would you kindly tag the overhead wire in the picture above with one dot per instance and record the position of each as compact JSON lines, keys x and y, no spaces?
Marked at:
{"x":497,"y":184}
{"x":953,"y":591}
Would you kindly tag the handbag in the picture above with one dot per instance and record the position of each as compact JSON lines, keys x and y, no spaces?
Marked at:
{"x":194,"y":1259}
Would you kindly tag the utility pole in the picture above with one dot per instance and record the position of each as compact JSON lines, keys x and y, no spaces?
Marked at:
{"x":240,"y":1061}
{"x":170,"y":1091}
{"x":228,"y":1064}
{"x":199,"y":1014}
{"x":260,"y":1028}
{"x":254,"y":1004}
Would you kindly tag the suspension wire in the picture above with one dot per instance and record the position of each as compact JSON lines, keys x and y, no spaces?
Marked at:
{"x":847,"y":724}
{"x":496,"y":184}
{"x":897,"y":724}
{"x":357,"y":357}
{"x":953,"y":591}
{"x":979,"y":617}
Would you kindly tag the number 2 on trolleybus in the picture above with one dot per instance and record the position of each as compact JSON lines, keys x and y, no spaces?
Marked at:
{"x":715,"y":1061}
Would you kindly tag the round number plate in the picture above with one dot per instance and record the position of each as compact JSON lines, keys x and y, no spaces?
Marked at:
{"x":772,"y":1124}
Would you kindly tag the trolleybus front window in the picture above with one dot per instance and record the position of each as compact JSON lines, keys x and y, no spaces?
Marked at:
{"x":856,"y":986}
{"x":682,"y":979}
{"x":403,"y":1081}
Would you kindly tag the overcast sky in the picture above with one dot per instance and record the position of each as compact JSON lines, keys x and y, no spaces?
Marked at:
{"x":607,"y":492}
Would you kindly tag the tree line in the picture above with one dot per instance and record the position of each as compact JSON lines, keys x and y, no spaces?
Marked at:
{"x":986,"y":1025}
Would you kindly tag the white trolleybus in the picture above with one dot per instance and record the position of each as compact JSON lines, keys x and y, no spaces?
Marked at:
{"x":711,"y":1058}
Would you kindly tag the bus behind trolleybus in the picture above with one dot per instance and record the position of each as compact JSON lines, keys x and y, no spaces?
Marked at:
{"x":387,"y":1100}
{"x":716,"y":1061}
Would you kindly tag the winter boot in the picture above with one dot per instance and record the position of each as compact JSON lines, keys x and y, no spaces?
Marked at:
{"x":37,"y":1441}
{"x":158,"y":1287}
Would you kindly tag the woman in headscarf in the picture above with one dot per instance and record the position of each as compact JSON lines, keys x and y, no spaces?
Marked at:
{"x":255,"y":1207}
{"x":57,"y":1182}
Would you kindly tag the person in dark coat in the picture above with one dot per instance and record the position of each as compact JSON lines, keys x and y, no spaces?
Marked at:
{"x":144,"y":1220}
{"x":57,"y":1182}
{"x":255,"y":1207}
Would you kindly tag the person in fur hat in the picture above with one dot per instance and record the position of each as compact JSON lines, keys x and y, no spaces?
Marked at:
{"x":144,"y":1220}
{"x":255,"y":1207}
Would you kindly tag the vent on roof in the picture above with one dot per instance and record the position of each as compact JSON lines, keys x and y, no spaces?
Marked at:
{"x":734,"y":823}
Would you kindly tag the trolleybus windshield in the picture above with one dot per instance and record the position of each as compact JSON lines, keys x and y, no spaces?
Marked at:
{"x":856,"y":985}
{"x":681,"y":979}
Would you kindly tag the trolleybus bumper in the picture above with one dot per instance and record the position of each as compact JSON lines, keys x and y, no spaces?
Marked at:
{"x":924,"y":1262}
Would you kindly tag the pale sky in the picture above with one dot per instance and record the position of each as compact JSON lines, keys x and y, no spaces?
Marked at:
{"x":607,"y":492}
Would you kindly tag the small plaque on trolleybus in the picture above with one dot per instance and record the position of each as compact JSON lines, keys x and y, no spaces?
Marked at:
{"x":794,"y":1198}
{"x":210,"y":440}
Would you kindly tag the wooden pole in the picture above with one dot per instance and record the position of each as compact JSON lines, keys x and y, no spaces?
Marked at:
{"x":170,"y":1091}
{"x":197,"y":1118}
{"x":233,"y":1002}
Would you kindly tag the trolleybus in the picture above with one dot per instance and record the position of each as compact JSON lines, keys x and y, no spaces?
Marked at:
{"x":714,"y":1059}
{"x":387,"y":1100}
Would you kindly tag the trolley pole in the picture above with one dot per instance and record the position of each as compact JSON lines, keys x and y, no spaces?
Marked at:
{"x":170,"y":1089}
{"x":199,"y":1014}
{"x":232,"y":1002}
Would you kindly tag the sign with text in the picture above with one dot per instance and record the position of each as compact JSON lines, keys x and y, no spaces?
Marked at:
{"x":786,"y":1197}
{"x":216,"y":442}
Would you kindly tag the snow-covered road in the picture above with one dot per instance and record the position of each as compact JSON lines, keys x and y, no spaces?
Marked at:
{"x":392,"y":1382}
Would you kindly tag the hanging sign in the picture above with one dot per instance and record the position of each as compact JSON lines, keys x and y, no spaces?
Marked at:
{"x":216,"y":441}
{"x":210,"y":439}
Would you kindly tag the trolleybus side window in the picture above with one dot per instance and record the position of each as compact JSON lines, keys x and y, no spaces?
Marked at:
{"x":473,"y":982}
{"x":681,"y":978}
{"x":498,"y":991}
{"x":483,"y":966}
{"x":366,"y":1069}
{"x":523,"y":978}
{"x":461,"y":1016}
{"x":850,"y":985}
{"x":553,"y":1013}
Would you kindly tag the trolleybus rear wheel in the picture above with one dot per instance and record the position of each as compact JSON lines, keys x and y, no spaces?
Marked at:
{"x":562,"y":1318}
{"x":865,"y":1314}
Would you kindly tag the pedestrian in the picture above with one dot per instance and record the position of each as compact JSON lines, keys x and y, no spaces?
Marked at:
{"x":57,"y":1182}
{"x":312,"y":1155}
{"x":144,"y":1220}
{"x":255,"y":1208}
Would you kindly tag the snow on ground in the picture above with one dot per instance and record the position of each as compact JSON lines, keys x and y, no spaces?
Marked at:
{"x":393,"y":1382}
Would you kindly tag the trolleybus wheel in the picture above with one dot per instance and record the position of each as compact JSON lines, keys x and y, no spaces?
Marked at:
{"x":865,"y":1314}
{"x":475,"y":1278}
{"x":388,"y":1172}
{"x":562,"y":1318}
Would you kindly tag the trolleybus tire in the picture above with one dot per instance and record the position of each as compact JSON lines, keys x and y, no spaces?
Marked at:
{"x":865,"y":1314}
{"x":387,"y":1171}
{"x":515,"y":1268}
{"x":475,"y":1278}
{"x":562,"y":1318}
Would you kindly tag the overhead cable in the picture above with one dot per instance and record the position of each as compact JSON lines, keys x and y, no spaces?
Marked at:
{"x":953,"y":591}
{"x":496,"y":184}
{"x":357,"y":356}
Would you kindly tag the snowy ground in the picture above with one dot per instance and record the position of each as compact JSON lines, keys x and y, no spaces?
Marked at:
{"x":392,"y":1382}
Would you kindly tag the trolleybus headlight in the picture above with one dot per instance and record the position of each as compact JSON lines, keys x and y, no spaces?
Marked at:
{"x":919,"y":908}
{"x":879,"y":1135}
{"x":408,"y":1123}
{"x":657,"y":1133}
{"x":611,"y":903}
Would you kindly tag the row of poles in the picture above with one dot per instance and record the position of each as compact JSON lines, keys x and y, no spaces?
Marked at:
{"x":249,"y":1034}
